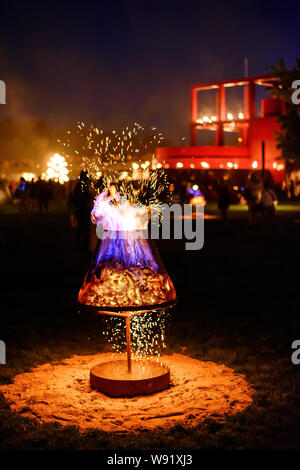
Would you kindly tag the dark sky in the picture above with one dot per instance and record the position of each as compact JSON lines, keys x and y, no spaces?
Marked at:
{"x":117,"y":62}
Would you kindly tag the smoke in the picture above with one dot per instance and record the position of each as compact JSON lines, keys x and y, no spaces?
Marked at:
{"x":16,"y":102}
{"x":25,"y":146}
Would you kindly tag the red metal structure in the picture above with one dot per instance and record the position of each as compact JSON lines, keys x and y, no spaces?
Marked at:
{"x":251,"y":128}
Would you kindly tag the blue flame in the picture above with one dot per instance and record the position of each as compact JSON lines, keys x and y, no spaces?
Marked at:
{"x":128,"y":251}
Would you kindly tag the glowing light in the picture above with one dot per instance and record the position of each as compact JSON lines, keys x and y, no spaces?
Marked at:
{"x":192,"y":165}
{"x":195,"y":187}
{"x":28,"y":176}
{"x":205,"y":165}
{"x":235,"y":165}
{"x":159,"y":165}
{"x":280,"y":166}
{"x":235,"y":188}
{"x":206,"y":119}
{"x":198,"y":200}
{"x":179,"y":165}
{"x":275,"y":165}
{"x":57,"y":169}
{"x":240,"y":139}
{"x":145,"y":165}
{"x":135,"y":166}
{"x":254,"y":164}
{"x":123,"y":175}
{"x":230,"y":165}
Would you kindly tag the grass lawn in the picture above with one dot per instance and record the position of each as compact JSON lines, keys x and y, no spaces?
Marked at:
{"x":238,"y":307}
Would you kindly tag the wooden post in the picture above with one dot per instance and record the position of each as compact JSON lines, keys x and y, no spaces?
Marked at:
{"x":194,"y":115}
{"x":221,"y":114}
{"x":128,"y":343}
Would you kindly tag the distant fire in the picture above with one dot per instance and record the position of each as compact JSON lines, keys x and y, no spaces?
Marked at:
{"x":57,"y":169}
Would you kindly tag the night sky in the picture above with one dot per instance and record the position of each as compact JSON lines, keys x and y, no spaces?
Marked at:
{"x":117,"y":62}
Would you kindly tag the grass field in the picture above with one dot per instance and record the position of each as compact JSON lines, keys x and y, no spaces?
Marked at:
{"x":239,"y":306}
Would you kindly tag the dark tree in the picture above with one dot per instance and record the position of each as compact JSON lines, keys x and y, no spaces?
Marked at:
{"x":288,"y":139}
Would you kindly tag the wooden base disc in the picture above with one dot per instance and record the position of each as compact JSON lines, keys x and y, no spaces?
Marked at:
{"x":113,"y":378}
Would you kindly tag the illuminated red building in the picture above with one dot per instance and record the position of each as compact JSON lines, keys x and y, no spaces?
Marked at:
{"x":251,"y":128}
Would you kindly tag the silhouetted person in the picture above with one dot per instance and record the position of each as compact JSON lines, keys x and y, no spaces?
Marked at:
{"x":43,"y":194}
{"x":224,"y":200}
{"x":182,"y":191}
{"x":32,"y":194}
{"x":268,"y":197}
{"x":252,"y":196}
{"x":22,"y":194}
{"x":51,"y":192}
{"x":81,"y":205}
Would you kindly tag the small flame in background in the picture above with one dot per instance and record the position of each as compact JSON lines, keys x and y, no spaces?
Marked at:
{"x":125,"y":271}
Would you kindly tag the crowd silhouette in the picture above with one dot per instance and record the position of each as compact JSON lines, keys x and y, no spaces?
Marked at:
{"x":41,"y":196}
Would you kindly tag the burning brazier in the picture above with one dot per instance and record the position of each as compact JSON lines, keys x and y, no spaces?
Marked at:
{"x":126,"y":278}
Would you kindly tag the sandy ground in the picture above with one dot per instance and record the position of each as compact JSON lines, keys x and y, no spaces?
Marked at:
{"x":61,"y":392}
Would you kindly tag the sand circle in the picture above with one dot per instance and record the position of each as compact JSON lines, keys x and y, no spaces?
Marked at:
{"x":61,"y":392}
